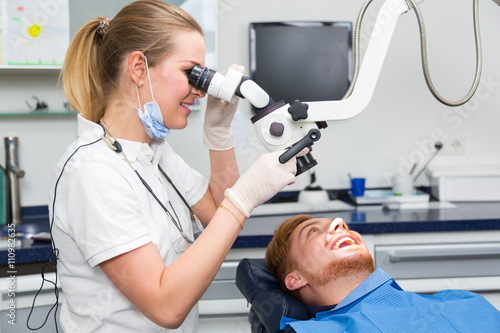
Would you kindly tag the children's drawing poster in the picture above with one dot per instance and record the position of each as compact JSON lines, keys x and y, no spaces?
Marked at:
{"x":33,"y":32}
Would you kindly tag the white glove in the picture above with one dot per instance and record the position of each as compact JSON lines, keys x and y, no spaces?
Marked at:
{"x":217,"y":132}
{"x":266,"y":177}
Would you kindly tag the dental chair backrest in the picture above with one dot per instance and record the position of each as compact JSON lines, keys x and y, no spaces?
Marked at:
{"x":268,"y":302}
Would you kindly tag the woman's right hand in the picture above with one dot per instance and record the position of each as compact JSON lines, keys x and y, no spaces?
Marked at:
{"x":266,"y":177}
{"x":217,"y":133}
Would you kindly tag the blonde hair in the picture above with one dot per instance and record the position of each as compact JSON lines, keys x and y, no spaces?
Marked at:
{"x":278,"y":261}
{"x":93,"y":60}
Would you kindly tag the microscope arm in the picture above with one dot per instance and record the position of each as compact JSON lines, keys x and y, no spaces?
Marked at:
{"x":369,"y":71}
{"x":282,"y":126}
{"x":373,"y":61}
{"x":234,"y":84}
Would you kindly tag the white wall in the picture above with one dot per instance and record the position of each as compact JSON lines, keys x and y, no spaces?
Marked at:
{"x":393,"y":131}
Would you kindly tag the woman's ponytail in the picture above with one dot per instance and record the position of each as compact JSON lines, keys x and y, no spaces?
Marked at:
{"x":81,"y":73}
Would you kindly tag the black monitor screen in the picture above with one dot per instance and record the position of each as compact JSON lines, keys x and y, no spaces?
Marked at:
{"x":308,"y":61}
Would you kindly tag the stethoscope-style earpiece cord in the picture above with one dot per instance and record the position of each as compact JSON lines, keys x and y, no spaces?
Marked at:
{"x":177,"y":224}
{"x":182,"y":197}
{"x":115,"y":146}
{"x":54,"y":254}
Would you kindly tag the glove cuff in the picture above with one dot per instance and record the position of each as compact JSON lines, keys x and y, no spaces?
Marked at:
{"x":229,"y":193}
{"x":218,"y":139}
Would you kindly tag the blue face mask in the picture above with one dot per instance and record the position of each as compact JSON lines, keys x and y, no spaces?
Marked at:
{"x":151,"y":116}
{"x":153,"y":121}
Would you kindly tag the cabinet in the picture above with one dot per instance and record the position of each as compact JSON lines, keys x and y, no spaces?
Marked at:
{"x":229,"y":312}
{"x":26,"y":287}
{"x":430,"y":262}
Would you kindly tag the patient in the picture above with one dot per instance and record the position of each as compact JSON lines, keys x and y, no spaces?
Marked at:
{"x":328,"y":267}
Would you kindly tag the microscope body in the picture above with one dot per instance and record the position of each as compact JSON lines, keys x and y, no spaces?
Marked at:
{"x":276,"y":128}
{"x":277,"y":125}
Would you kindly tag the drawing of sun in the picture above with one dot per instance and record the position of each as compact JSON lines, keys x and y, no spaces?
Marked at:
{"x":30,"y":33}
{"x":34,"y":30}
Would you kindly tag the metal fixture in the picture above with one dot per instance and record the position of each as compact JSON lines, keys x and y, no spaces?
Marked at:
{"x":39,"y":106}
{"x":14,"y":172}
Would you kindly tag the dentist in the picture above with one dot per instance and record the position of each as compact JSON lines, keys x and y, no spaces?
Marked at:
{"x":125,"y":208}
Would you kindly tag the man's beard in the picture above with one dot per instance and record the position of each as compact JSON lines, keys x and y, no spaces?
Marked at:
{"x":361,"y":263}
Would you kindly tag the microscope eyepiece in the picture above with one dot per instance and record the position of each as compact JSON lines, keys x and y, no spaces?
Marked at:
{"x":201,"y":77}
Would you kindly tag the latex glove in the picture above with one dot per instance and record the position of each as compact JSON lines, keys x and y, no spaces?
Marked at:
{"x":217,"y":132}
{"x":266,"y":177}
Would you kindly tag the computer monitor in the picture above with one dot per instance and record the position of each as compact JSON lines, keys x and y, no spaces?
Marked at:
{"x":308,"y":61}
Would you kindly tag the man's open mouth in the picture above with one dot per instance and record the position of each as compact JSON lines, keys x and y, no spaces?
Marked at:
{"x":342,"y":241}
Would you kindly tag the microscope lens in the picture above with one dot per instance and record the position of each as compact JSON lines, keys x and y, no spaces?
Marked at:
{"x":194,"y":75}
{"x":201,"y":77}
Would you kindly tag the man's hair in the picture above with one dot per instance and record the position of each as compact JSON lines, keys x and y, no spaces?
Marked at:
{"x":278,"y":261}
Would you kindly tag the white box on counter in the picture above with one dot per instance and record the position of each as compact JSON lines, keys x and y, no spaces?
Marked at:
{"x":465,"y":182}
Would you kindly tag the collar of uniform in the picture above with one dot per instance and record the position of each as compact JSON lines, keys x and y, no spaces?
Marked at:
{"x":89,"y":131}
{"x":134,"y":149}
{"x":131,"y":148}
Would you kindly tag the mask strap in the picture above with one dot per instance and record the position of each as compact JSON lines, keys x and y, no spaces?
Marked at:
{"x":138,"y":99}
{"x":149,"y":79}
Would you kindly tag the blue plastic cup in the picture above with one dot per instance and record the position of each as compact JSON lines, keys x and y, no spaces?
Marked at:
{"x":358,"y":187}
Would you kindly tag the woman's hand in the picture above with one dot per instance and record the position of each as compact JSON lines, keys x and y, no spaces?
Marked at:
{"x":217,"y":133}
{"x":266,"y":177}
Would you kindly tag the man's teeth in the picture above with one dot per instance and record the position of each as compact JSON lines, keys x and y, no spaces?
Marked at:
{"x":343,"y":240}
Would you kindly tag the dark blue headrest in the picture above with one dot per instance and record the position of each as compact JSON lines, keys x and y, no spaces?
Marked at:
{"x":268,"y":302}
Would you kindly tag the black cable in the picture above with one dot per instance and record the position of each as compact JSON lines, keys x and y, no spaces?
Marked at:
{"x":53,"y":255}
{"x":175,"y":188}
{"x":176,"y":223}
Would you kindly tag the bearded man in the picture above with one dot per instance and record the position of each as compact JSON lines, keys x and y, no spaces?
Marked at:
{"x":327,"y":266}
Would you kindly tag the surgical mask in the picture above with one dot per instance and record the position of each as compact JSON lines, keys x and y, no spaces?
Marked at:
{"x":151,"y":116}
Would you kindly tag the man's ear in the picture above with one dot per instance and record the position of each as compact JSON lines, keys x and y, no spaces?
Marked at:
{"x":137,"y":67}
{"x":295,"y":280}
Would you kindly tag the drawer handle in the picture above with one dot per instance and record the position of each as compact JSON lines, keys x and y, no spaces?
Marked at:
{"x":5,"y":295}
{"x":444,"y":255}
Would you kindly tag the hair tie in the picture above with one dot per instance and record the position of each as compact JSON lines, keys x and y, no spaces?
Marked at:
{"x":103,"y":26}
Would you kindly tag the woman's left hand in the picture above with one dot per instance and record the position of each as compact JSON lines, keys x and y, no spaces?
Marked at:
{"x":217,"y":133}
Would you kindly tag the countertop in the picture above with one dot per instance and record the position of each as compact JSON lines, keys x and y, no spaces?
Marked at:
{"x":375,"y":220}
{"x":258,"y":230}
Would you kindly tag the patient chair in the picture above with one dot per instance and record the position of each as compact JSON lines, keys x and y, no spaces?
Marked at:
{"x":268,"y":302}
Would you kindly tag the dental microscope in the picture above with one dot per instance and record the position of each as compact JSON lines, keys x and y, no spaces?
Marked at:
{"x":275,"y":128}
{"x":293,"y":127}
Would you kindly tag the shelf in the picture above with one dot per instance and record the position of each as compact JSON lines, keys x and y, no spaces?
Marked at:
{"x":33,"y":67}
{"x":30,"y":70}
{"x":48,"y":113}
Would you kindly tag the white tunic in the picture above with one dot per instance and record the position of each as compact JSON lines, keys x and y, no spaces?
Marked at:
{"x":103,"y":210}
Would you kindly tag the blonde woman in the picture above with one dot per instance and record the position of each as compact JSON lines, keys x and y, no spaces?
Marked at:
{"x":123,"y":202}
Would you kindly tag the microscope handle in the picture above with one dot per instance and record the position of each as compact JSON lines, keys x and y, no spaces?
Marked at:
{"x":313,"y":135}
